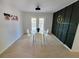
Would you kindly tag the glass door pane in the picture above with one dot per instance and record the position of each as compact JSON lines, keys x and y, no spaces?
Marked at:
{"x":33,"y":22}
{"x":41,"y":24}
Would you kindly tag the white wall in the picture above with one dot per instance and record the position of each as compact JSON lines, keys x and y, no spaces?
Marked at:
{"x":10,"y":31}
{"x":27,"y":20}
{"x":76,"y":41}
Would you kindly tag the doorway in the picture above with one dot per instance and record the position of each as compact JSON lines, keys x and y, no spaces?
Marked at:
{"x":37,"y":23}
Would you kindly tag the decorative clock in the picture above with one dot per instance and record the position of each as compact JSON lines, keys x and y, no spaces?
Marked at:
{"x":60,"y":19}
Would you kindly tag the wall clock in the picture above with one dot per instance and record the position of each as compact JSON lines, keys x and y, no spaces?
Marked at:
{"x":60,"y":19}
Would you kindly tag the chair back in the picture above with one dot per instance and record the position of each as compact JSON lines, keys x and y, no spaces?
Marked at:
{"x":28,"y":32}
{"x":47,"y":31}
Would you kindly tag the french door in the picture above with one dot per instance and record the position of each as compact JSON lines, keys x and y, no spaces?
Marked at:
{"x":37,"y":22}
{"x":41,"y":24}
{"x":33,"y":25}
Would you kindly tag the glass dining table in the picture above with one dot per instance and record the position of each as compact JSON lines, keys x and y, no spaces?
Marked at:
{"x":39,"y":38}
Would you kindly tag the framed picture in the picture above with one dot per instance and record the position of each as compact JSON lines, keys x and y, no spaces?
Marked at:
{"x":10,"y":17}
{"x":7,"y":16}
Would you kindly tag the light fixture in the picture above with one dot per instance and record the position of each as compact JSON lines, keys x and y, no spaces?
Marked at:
{"x":38,"y":8}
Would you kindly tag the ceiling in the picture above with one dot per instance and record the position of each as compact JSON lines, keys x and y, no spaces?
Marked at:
{"x":45,"y":5}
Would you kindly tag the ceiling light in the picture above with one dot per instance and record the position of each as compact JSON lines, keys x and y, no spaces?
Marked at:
{"x":37,"y":8}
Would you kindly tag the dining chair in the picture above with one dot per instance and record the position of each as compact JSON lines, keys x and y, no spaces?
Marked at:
{"x":33,"y":32}
{"x":28,"y":32}
{"x":46,"y":32}
{"x":46,"y":35}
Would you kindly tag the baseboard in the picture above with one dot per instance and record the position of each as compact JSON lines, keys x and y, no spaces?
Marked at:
{"x":10,"y":44}
{"x":74,"y":51}
{"x":63,"y":44}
